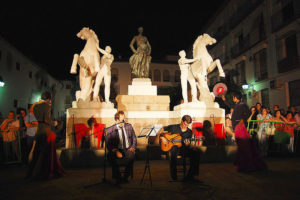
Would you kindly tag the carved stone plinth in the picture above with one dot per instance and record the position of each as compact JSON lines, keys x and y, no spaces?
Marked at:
{"x":142,"y":86}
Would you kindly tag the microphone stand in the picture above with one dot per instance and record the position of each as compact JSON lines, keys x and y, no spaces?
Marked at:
{"x":147,"y":164}
{"x":105,"y":157}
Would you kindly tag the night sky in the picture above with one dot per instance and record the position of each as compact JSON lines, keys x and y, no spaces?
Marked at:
{"x":46,"y":32}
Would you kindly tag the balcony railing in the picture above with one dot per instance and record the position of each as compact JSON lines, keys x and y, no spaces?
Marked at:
{"x":288,"y":64}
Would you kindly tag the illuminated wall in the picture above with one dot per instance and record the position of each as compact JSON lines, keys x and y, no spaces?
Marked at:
{"x":25,"y":81}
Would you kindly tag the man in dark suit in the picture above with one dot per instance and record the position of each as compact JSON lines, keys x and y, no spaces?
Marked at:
{"x":241,"y":111}
{"x":121,"y":142}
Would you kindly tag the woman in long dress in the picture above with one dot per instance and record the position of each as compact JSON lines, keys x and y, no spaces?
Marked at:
{"x":44,"y":163}
{"x":248,"y":158}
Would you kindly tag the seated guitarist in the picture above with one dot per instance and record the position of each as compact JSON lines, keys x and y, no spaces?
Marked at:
{"x":186,"y":148}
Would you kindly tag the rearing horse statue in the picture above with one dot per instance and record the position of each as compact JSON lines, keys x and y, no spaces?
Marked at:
{"x":89,"y":62}
{"x":204,"y":65}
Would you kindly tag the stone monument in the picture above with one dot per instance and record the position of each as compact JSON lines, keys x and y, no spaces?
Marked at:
{"x":92,"y":67}
{"x":196,"y":73}
{"x":204,"y":65}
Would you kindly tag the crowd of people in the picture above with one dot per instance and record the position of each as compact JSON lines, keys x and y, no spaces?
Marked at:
{"x":258,"y":130}
{"x":30,"y":138}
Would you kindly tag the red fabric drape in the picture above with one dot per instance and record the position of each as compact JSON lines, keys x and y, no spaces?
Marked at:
{"x":198,"y":133}
{"x":98,"y":132}
{"x":81,"y":130}
{"x":219,"y":131}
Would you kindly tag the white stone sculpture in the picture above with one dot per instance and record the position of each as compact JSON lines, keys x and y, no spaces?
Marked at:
{"x":105,"y":72}
{"x":186,"y":75}
{"x":89,"y":62}
{"x":204,"y":65}
{"x":140,"y":60}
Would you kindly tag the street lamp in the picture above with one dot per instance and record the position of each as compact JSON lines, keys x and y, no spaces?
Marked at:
{"x":1,"y":82}
{"x":245,"y":86}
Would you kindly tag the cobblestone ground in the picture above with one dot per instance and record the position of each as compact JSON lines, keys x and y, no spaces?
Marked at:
{"x":216,"y":181}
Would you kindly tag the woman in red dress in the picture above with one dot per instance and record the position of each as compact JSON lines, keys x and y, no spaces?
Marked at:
{"x":44,"y":163}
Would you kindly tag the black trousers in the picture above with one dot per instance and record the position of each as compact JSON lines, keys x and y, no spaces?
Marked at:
{"x":128,"y":155}
{"x":193,"y":154}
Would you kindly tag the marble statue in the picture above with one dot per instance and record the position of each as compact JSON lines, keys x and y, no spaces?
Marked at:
{"x":186,"y":75}
{"x":204,"y":65}
{"x":89,"y":62}
{"x":105,"y":73}
{"x":140,"y":60}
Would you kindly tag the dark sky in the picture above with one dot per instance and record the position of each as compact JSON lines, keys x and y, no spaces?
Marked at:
{"x":46,"y":32}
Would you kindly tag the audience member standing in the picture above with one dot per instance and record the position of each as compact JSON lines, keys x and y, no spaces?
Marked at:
{"x":262,"y":131}
{"x":9,"y":128}
{"x":275,"y":108}
{"x":253,"y":116}
{"x":290,"y":129}
{"x":21,"y":114}
{"x":293,"y":110}
{"x":258,"y":107}
{"x":31,"y":124}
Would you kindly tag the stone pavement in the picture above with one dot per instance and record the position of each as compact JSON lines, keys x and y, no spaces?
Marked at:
{"x":216,"y":181}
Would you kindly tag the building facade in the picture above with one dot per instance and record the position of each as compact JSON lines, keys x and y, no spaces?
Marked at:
{"x":260,"y":41}
{"x":24,"y":81}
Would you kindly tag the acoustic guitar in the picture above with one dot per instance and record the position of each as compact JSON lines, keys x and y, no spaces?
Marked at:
{"x":168,"y":140}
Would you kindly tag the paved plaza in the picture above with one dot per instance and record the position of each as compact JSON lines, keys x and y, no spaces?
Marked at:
{"x":216,"y":181}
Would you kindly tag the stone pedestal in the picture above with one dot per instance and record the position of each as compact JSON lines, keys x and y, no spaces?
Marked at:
{"x":81,"y":111}
{"x":142,"y":86}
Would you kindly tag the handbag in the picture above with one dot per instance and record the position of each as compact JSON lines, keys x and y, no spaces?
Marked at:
{"x":270,"y":129}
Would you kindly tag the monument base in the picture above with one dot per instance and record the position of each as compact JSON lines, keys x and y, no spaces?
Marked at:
{"x":142,"y":86}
